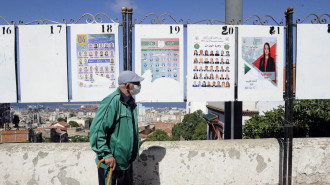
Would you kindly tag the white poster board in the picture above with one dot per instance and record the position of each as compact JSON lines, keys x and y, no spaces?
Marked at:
{"x":260,"y":77}
{"x":43,"y":63}
{"x":7,"y":64}
{"x":211,"y":63}
{"x":159,"y":59}
{"x":313,"y":62}
{"x":94,"y":61}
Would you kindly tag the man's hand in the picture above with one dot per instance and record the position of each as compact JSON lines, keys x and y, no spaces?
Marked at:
{"x":111,"y":161}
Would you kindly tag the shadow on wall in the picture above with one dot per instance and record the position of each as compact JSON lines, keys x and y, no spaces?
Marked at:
{"x":146,"y":168}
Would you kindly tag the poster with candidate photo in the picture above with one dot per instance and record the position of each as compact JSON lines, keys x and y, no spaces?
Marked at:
{"x":313,"y":46}
{"x":43,"y":63}
{"x":260,"y":69}
{"x":159,"y":59}
{"x":161,"y":56}
{"x":94,"y":61}
{"x":7,"y":65}
{"x":211,"y":63}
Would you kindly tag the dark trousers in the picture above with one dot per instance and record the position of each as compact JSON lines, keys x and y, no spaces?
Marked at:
{"x":124,"y":177}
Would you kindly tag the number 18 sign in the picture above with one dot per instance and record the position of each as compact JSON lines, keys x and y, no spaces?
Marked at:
{"x":94,"y":61}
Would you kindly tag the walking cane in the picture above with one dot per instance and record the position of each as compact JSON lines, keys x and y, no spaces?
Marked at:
{"x":110,"y":173}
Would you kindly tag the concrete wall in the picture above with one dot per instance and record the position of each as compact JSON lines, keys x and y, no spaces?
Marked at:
{"x":184,"y":162}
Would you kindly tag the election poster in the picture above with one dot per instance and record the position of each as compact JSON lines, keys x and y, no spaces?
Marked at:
{"x":211,"y":63}
{"x":312,"y":66}
{"x":260,"y":69}
{"x":43,"y":63}
{"x":94,"y":61}
{"x":7,"y":65}
{"x":161,"y":56}
{"x":159,"y":59}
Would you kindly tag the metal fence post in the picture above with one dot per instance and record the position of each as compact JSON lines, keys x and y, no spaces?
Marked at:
{"x":124,"y":15}
{"x":130,"y":25}
{"x":287,"y":167}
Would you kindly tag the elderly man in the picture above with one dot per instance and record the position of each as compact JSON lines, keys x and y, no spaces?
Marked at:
{"x":114,"y":131}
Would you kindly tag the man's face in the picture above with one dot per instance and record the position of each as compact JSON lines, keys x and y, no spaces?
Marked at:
{"x":130,"y":86}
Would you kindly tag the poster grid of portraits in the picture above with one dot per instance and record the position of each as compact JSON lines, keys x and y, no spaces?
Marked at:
{"x":159,"y":59}
{"x":96,"y":57}
{"x":211,"y":54}
{"x":94,"y":61}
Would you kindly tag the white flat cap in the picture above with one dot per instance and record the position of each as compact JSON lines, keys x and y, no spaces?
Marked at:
{"x":129,"y":76}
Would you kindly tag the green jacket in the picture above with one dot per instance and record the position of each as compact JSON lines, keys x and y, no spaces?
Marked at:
{"x":111,"y":132}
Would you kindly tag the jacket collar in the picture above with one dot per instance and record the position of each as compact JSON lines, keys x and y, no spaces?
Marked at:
{"x":125,"y":99}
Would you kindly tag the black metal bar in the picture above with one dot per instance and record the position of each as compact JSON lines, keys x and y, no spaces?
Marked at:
{"x":287,"y":166}
{"x":130,"y":27}
{"x":16,"y":63}
{"x":124,"y":14}
{"x":67,"y":62}
{"x":281,"y":145}
{"x":290,"y":100}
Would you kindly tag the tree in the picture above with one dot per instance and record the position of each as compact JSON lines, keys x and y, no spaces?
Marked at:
{"x":311,"y":118}
{"x":200,"y":132}
{"x":73,"y":124}
{"x":159,"y":135}
{"x":193,"y":127}
{"x":76,"y":139}
{"x":72,"y":115}
{"x":61,"y":119}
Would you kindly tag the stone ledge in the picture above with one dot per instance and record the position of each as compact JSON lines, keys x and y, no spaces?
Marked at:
{"x":183,"y":162}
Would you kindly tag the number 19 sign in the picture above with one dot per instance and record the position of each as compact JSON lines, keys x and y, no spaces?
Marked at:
{"x":159,"y":59}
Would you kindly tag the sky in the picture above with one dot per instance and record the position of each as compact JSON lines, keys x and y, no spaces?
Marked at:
{"x":195,"y":10}
{"x":27,"y":11}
